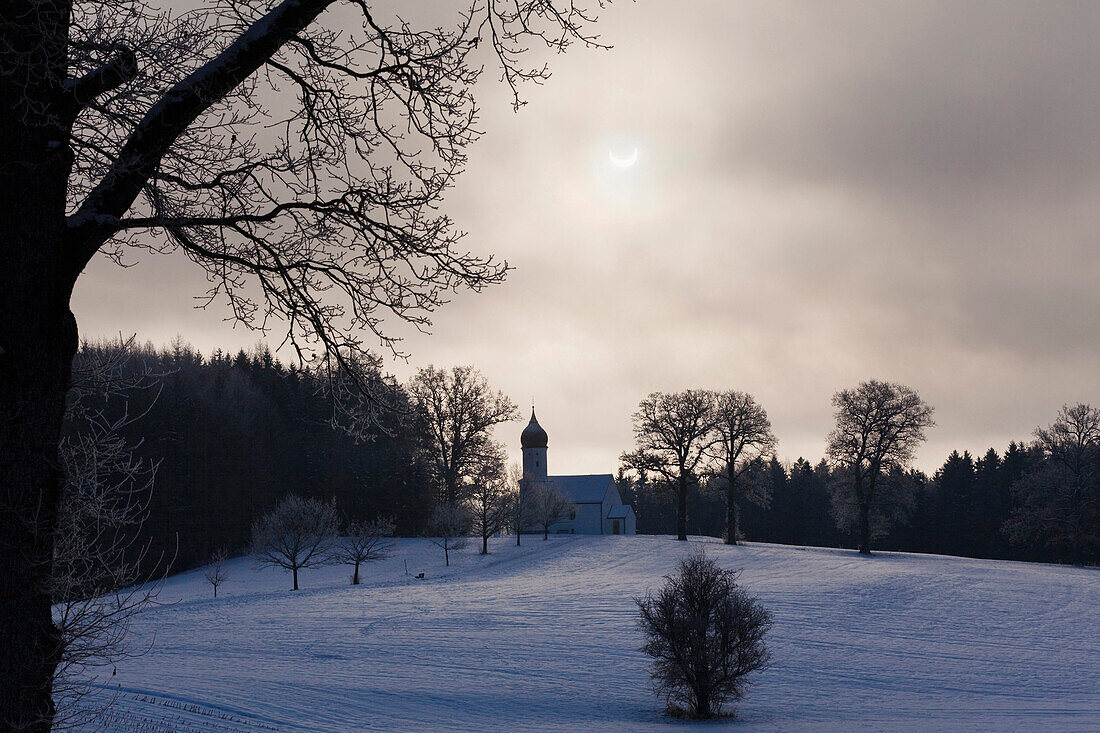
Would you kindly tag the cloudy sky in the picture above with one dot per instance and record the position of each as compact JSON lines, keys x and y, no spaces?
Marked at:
{"x":824,"y":193}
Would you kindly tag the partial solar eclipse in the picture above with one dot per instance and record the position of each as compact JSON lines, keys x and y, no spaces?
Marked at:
{"x":623,"y":162}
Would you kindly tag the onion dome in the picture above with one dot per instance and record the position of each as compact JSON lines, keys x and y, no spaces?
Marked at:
{"x":533,"y":436}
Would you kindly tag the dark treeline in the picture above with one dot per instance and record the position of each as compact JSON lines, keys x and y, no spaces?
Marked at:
{"x":234,"y":433}
{"x":968,"y":507}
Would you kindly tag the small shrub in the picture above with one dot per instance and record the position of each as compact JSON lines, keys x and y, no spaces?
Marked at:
{"x":706,"y":635}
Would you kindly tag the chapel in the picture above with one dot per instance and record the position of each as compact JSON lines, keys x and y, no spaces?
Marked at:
{"x":598,"y":508}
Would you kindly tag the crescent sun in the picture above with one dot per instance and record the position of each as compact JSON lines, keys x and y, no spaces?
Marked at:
{"x":623,"y":162}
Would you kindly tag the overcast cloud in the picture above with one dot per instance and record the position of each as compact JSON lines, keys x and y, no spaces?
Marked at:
{"x":825,"y":193}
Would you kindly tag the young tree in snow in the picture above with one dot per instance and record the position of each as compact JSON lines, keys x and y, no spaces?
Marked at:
{"x":878,"y":427}
{"x":705,"y":634}
{"x":672,"y":434}
{"x":297,"y":150}
{"x":491,"y":498}
{"x":215,"y":572}
{"x":545,"y":505}
{"x":744,"y":434}
{"x":298,"y":533}
{"x":1059,"y":501}
{"x":456,"y":411}
{"x":449,"y":529}
{"x":364,"y":542}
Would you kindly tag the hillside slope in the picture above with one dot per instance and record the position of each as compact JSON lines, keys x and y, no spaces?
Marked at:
{"x":544,"y":638}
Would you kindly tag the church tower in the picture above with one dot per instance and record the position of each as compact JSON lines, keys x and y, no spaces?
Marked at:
{"x":533,"y":441}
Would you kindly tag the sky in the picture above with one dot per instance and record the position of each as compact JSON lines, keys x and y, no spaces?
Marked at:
{"x":824,"y":193}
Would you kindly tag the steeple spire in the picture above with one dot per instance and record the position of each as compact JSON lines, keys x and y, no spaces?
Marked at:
{"x":533,"y":436}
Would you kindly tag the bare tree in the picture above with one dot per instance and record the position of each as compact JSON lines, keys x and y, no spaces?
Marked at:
{"x":744,"y":435}
{"x":878,"y":427}
{"x":215,"y":572}
{"x":706,"y":636}
{"x":96,"y":579}
{"x":1059,"y":501}
{"x":449,"y":529}
{"x":297,"y":534}
{"x":491,"y":498}
{"x":546,"y":506}
{"x":457,"y":411}
{"x":672,"y":434}
{"x":296,"y":150}
{"x":365,"y":542}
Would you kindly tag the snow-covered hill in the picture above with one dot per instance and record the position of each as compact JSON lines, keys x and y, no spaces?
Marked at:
{"x":543,"y":637}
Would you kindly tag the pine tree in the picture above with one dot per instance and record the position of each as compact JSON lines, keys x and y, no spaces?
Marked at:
{"x":955,"y":483}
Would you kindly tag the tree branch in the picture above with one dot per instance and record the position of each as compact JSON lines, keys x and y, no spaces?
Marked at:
{"x":119,"y":69}
{"x":172,"y":115}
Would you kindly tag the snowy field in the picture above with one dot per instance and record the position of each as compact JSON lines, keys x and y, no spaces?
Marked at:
{"x":543,"y":638}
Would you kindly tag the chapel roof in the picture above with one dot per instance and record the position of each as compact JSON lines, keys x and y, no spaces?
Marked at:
{"x":533,"y":436}
{"x":585,"y":489}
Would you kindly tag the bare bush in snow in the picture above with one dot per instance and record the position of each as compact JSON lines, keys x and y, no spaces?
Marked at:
{"x":706,"y":636}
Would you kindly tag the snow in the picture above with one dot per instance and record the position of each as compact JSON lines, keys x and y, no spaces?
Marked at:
{"x":543,"y":638}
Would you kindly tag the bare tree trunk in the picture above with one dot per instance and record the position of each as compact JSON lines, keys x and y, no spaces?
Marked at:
{"x":865,"y":500}
{"x":355,"y":574}
{"x":702,"y":706}
{"x":38,"y":340}
{"x":864,"y":528}
{"x":295,"y":571}
{"x":33,"y":381}
{"x":731,"y":509}
{"x":450,"y":489}
{"x":681,"y":510}
{"x":484,"y":545}
{"x":732,"y":519}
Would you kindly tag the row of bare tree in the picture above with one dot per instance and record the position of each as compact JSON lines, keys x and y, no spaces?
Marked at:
{"x":1040,"y":501}
{"x":681,"y":436}
{"x":684,"y":437}
{"x":300,"y":533}
{"x":307,"y":533}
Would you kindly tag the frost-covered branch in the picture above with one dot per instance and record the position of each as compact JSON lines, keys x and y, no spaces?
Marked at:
{"x":96,"y":581}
